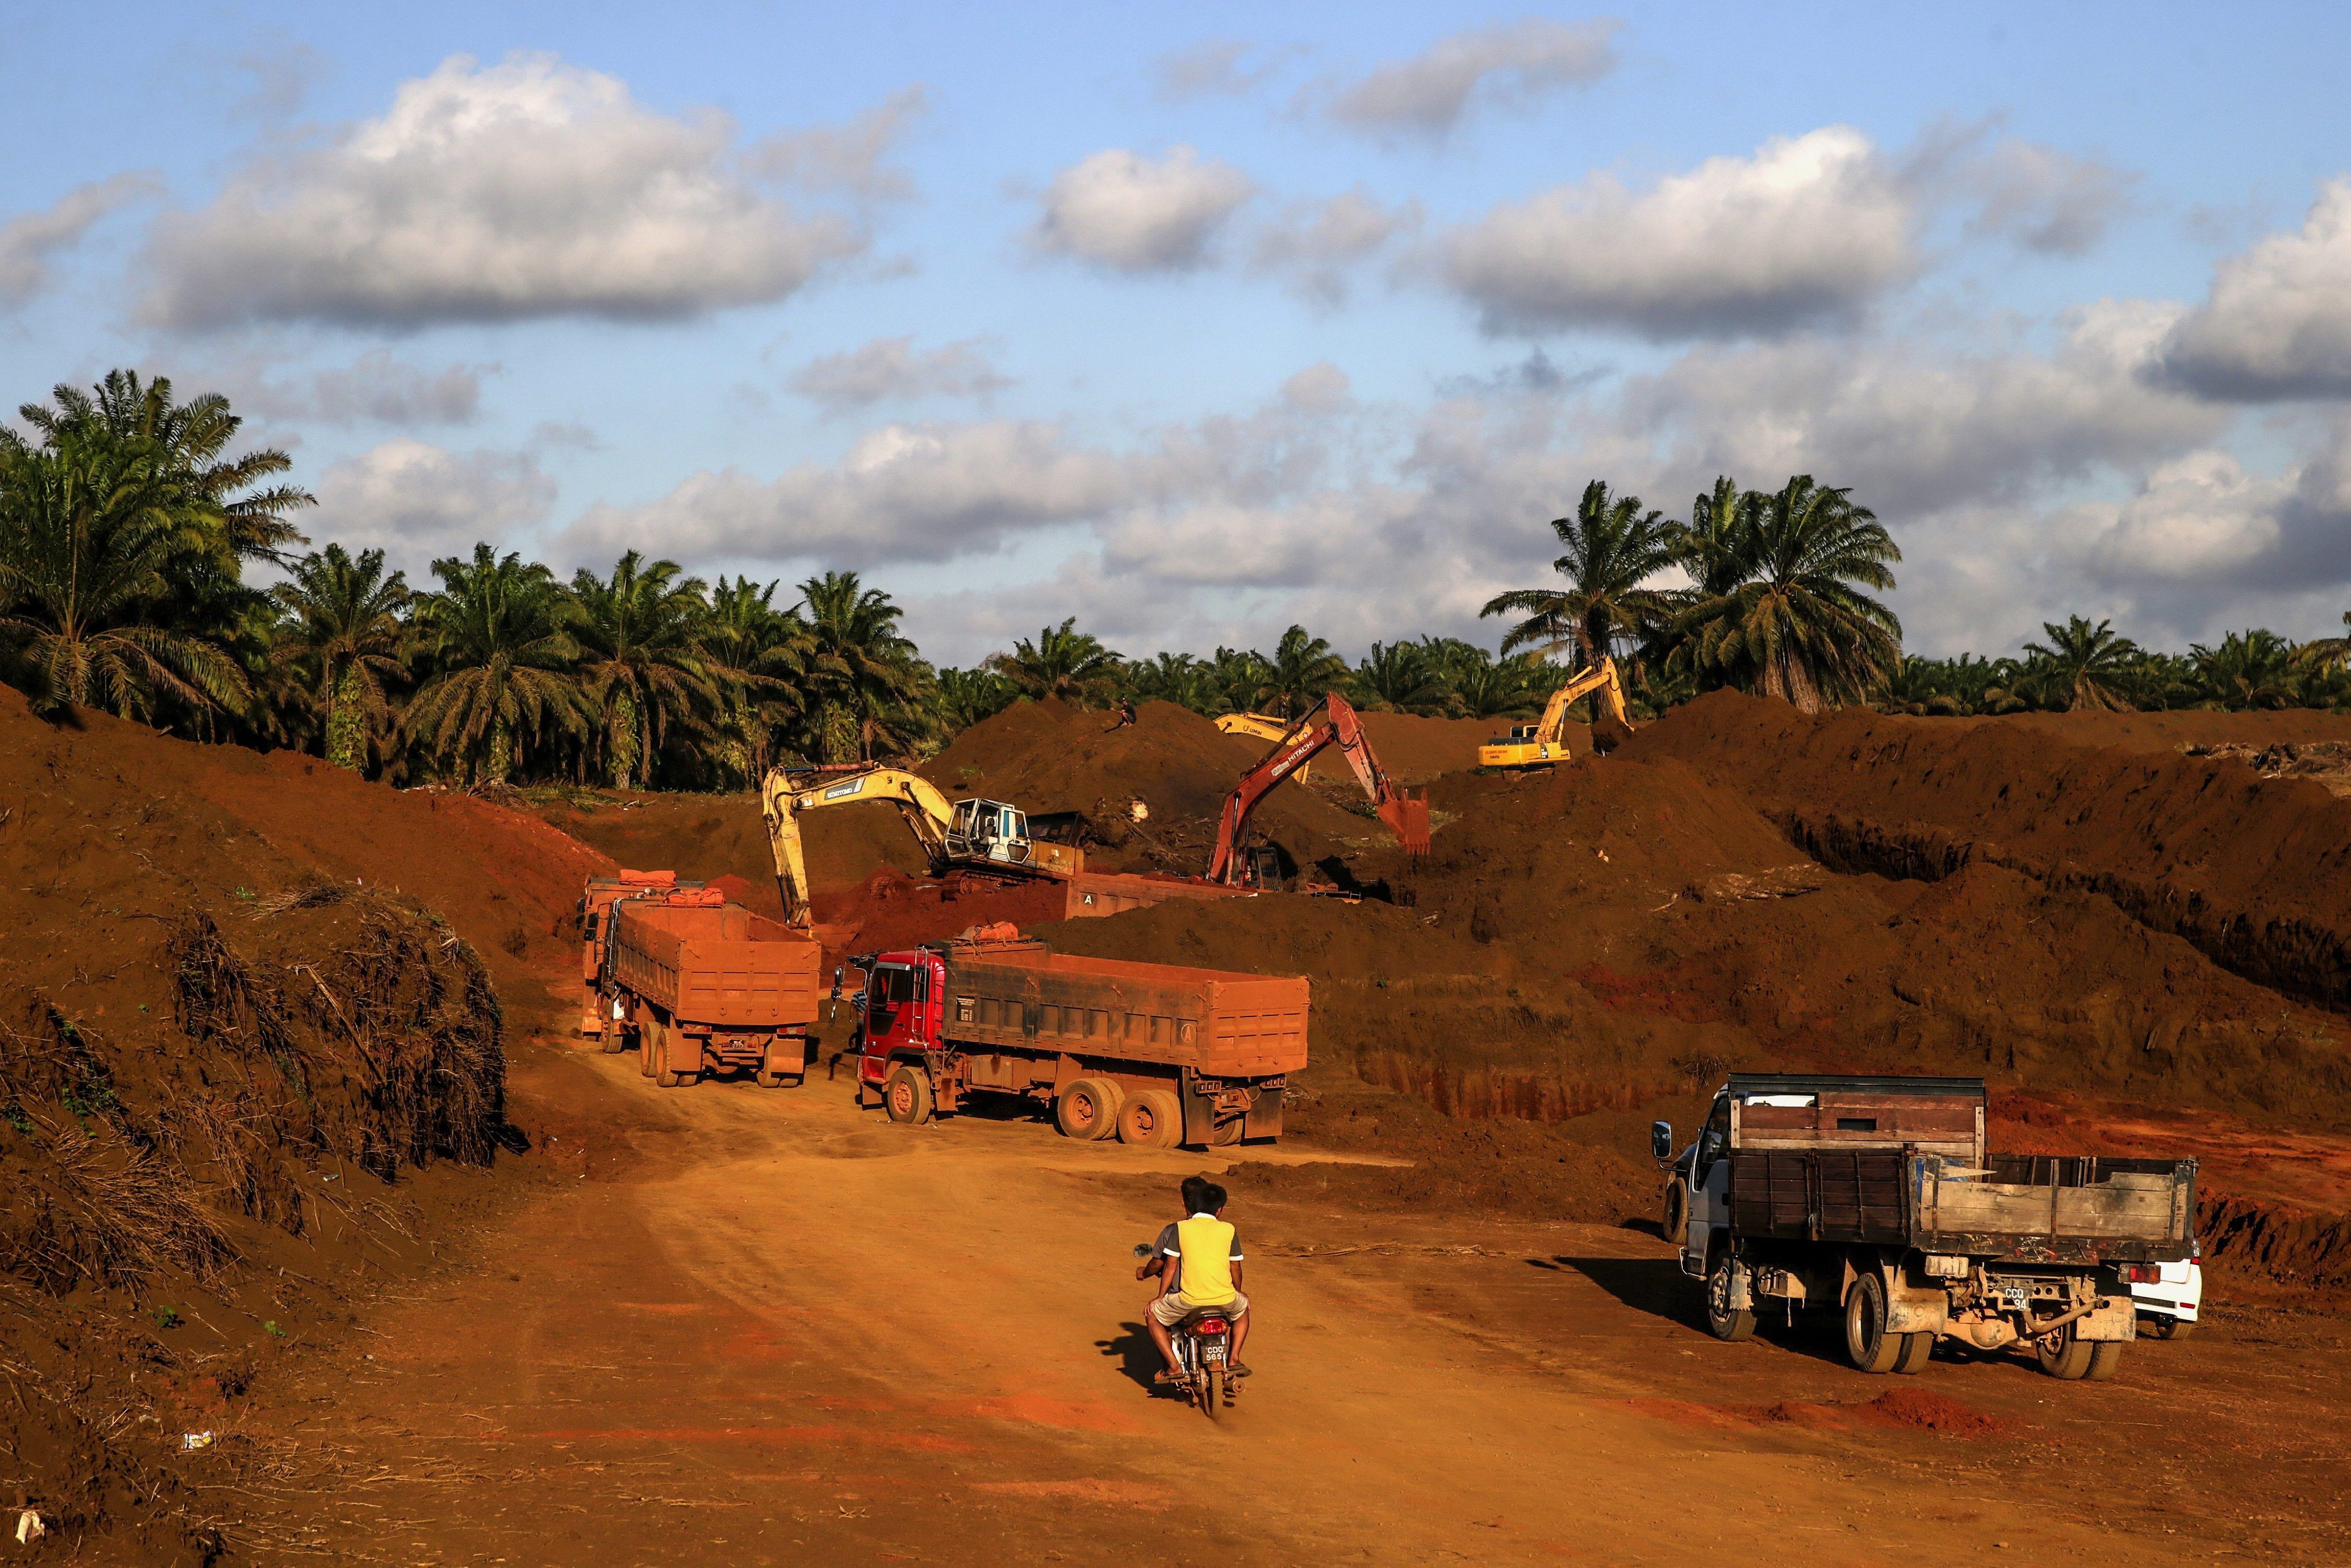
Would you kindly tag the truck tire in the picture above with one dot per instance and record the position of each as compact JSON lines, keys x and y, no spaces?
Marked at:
{"x":662,"y":1074}
{"x":2171,"y":1328}
{"x":1150,"y":1120}
{"x":906,"y":1094}
{"x":649,"y":1045}
{"x":1866,"y":1344}
{"x":2106,"y":1360}
{"x":1088,"y":1109}
{"x":1721,"y":1320}
{"x":1677,"y":1215}
{"x":1917,"y":1349}
{"x":2064,"y":1356}
{"x":608,"y":1037}
{"x":1224,"y":1135}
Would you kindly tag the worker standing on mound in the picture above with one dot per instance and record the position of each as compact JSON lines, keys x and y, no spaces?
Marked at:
{"x":1203,"y":1269}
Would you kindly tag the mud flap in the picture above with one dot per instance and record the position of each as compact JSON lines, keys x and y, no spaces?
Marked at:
{"x":685,"y":1053}
{"x":1200,"y":1111}
{"x":2116,"y":1318}
{"x":1264,"y":1118}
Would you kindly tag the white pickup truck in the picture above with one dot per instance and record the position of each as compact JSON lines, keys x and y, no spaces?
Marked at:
{"x":1876,"y":1197}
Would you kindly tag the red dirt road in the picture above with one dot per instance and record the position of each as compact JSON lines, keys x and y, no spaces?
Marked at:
{"x":763,"y":1327}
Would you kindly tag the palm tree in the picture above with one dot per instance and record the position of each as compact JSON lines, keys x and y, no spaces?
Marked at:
{"x":1504,"y":688}
{"x":212,"y":497}
{"x":1398,"y":676}
{"x":500,"y":632}
{"x":1612,"y":549}
{"x":2247,"y":669}
{"x":1301,"y":670}
{"x":641,"y":658}
{"x":756,"y":654}
{"x":2088,"y":667}
{"x":1243,"y":679}
{"x":2324,"y":653}
{"x":1797,"y":628}
{"x":967,"y":697}
{"x":864,"y":676}
{"x":86,"y":537}
{"x":345,"y":624}
{"x":1063,"y":662}
{"x":1713,"y":548}
{"x":1177,"y":678}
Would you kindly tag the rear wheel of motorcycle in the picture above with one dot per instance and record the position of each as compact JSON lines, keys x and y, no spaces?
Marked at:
{"x":1211,"y":1391}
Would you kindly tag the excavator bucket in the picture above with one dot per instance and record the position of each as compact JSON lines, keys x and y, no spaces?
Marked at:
{"x":1407,"y":816}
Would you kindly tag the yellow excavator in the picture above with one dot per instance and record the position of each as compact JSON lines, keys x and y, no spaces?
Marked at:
{"x":988,"y":836}
{"x":1261,"y":726}
{"x":1544,"y":744}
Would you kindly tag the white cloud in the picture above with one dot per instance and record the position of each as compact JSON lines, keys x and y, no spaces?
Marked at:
{"x":2194,"y":518}
{"x":375,"y":386}
{"x":890,"y":368}
{"x":1810,"y":227}
{"x":1315,"y":245}
{"x":847,"y":157}
{"x":418,"y":501}
{"x":902,"y":493}
{"x":1916,"y":428}
{"x":2045,"y":199}
{"x":32,"y":241}
{"x":1120,"y":210}
{"x":1515,"y":62}
{"x":2277,"y":324}
{"x":1214,"y":68}
{"x":526,"y":189}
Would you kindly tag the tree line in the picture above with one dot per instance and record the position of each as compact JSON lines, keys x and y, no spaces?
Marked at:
{"x":130,"y":536}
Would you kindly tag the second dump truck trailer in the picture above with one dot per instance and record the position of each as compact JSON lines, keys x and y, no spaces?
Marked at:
{"x":1151,"y":1054}
{"x":1878,"y":1198}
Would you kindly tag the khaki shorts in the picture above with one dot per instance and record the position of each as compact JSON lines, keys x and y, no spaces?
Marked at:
{"x":1173,"y":1308}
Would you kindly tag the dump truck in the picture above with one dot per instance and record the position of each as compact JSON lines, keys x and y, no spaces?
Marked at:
{"x":1150,"y":1054}
{"x":1876,"y":1197}
{"x":696,"y":984}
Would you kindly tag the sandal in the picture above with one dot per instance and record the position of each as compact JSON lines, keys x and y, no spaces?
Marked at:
{"x":1169,"y":1377}
{"x":1237,"y":1369}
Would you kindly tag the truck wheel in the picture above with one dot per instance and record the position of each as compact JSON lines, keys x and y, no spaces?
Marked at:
{"x":2171,"y":1328}
{"x":662,"y":1075}
{"x":906,"y":1094}
{"x":1676,"y":1216}
{"x":609,"y":1039}
{"x":2064,"y":1356}
{"x":1150,"y":1120}
{"x":2106,"y":1360}
{"x":1225,"y":1133}
{"x":1721,"y":1320}
{"x":1917,"y":1349}
{"x":1088,"y":1109}
{"x":1866,"y":1344}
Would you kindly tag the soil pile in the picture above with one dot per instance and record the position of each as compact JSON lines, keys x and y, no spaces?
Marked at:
{"x":706,"y":837}
{"x":1415,"y":749}
{"x":2256,"y":873}
{"x":1048,"y":757}
{"x":2174,"y":730}
{"x":890,"y":910}
{"x":219,"y":1048}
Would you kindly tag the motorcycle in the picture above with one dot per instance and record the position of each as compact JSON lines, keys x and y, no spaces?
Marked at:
{"x":1204,"y":1350}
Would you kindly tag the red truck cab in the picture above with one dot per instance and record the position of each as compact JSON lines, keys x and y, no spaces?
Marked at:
{"x":904,"y":1006}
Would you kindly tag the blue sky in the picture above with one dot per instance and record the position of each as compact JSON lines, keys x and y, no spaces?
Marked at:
{"x":1194,"y":321}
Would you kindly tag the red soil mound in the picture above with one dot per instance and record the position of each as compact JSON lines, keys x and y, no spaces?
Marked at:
{"x":706,"y":837}
{"x":2255,"y":873}
{"x":889,"y":910}
{"x":1936,"y":1413}
{"x":1050,"y":756}
{"x":1415,"y":749}
{"x":2165,"y":733}
{"x":217,"y":1047}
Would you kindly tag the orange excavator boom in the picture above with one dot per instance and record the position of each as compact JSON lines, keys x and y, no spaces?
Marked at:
{"x":1334,"y":723}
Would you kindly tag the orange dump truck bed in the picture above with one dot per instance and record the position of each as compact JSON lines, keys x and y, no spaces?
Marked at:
{"x":720,"y":967}
{"x":1216,"y":1023}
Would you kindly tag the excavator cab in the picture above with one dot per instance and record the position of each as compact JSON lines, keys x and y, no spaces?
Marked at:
{"x":989,"y":830}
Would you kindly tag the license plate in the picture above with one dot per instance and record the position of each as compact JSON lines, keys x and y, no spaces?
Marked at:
{"x":2018,"y":1293}
{"x":1213,"y":1352}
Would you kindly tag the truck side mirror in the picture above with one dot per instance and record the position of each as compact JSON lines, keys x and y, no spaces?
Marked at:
{"x":1661,"y":1142}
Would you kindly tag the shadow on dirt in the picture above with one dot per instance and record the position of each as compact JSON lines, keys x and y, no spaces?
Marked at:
{"x":1138,"y":1358}
{"x":1651,"y":1285}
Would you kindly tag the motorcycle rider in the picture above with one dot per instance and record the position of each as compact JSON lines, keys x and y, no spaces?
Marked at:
{"x":1193,"y":1194}
{"x":1202,"y":1269}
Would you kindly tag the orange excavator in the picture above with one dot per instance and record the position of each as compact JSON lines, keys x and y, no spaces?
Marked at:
{"x":1333,"y":723}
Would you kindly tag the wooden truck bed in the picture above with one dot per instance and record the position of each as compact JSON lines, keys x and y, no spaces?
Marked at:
{"x":2025,"y":1207}
{"x":1222,"y":1025}
{"x":719,"y":965}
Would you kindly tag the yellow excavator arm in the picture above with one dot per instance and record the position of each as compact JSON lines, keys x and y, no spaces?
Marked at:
{"x":1544,"y":742}
{"x":781,"y":802}
{"x":1258,"y":727}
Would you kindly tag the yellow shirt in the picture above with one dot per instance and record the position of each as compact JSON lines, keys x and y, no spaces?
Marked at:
{"x":1204,"y":1249}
